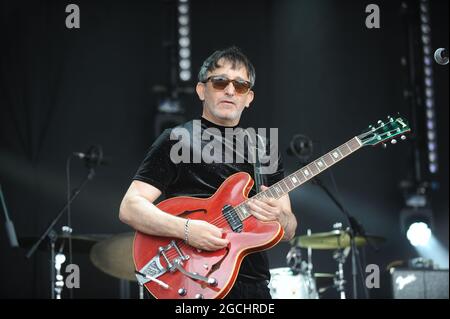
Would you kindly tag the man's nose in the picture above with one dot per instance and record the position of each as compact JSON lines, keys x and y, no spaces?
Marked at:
{"x":229,"y":90}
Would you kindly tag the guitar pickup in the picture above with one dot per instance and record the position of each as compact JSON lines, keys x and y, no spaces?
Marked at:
{"x":232,"y":218}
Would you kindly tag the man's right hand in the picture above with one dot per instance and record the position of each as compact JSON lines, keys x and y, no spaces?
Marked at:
{"x":205,"y":236}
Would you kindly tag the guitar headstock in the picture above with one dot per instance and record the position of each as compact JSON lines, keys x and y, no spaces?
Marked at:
{"x":386,"y":131}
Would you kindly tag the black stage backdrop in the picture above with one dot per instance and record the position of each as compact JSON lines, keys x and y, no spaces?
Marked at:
{"x":320,"y":72}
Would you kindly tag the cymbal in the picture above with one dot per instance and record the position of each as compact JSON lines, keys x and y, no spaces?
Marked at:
{"x":335,"y":239}
{"x":80,"y":243}
{"x":114,"y":256}
{"x":324,"y":275}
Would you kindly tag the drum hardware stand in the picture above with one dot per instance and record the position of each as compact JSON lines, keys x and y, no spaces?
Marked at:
{"x":354,"y":229}
{"x":309,"y":269}
{"x":297,"y":266}
{"x":60,"y":258}
{"x":339,"y":281}
{"x":340,"y":255}
{"x":141,"y":291}
{"x":310,"y":265}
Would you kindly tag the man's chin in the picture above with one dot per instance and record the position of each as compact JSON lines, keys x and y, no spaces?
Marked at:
{"x":227,"y":116}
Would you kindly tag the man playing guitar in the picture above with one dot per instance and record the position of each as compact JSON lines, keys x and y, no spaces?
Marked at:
{"x":225,"y":89}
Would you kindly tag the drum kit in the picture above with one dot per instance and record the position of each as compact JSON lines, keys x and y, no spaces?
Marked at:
{"x":298,"y":281}
{"x":113,"y":256}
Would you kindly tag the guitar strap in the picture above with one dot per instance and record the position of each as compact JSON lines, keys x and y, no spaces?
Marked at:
{"x":257,"y":164}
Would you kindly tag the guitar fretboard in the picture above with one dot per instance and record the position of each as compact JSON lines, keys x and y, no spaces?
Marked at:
{"x":302,"y":175}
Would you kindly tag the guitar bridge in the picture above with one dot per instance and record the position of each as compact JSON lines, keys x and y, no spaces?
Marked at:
{"x":155,"y":269}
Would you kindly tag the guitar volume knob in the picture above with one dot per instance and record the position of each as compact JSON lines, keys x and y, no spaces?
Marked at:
{"x":212,"y":281}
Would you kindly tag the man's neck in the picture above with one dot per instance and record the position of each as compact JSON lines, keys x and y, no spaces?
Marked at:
{"x":220,"y":122}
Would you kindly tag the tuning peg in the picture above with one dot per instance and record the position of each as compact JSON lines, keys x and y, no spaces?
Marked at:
{"x":403,"y":137}
{"x":394,"y":141}
{"x":380,"y":122}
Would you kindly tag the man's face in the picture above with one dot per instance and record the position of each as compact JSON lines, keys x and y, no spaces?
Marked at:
{"x":224,"y":106}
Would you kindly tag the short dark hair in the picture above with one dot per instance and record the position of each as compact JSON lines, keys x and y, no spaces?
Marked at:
{"x":233,"y":55}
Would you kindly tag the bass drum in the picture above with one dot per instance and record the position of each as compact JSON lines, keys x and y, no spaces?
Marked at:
{"x":284,"y":284}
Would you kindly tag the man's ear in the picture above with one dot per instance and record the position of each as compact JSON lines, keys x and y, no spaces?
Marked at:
{"x":250,"y":97}
{"x":200,"y":89}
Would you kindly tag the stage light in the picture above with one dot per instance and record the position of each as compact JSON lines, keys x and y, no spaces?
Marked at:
{"x":170,"y":113}
{"x":169,"y":105}
{"x":424,"y":7}
{"x":183,"y":20}
{"x":431,"y":146}
{"x":432,"y":156}
{"x":185,"y":75}
{"x":184,"y":41}
{"x":185,"y":53}
{"x":418,"y":234}
{"x":433,"y":167}
{"x":425,"y":30}
{"x":185,"y":63}
{"x":183,"y":31}
{"x":424,"y":19}
{"x":426,"y":39}
{"x":416,"y":223}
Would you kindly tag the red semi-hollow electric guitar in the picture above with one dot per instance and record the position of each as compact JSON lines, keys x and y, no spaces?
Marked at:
{"x":169,"y":268}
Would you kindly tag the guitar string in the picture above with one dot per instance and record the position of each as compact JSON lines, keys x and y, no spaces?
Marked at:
{"x":222,"y":219}
{"x":271,"y":189}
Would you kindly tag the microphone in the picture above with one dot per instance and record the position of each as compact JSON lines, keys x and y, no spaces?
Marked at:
{"x":93,"y":157}
{"x":441,"y":56}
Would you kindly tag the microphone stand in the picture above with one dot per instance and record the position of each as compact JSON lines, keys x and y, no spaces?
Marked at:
{"x":355,"y":229}
{"x":52,"y":234}
{"x":10,"y":230}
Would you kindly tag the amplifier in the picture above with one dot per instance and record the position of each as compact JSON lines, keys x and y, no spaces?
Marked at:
{"x":419,"y":283}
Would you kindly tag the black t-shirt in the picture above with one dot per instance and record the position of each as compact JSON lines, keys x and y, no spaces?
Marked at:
{"x":199,"y":176}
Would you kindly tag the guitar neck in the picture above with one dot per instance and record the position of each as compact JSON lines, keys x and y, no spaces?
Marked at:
{"x":302,"y":175}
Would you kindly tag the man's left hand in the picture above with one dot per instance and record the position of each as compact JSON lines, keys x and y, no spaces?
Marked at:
{"x":267,"y":209}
